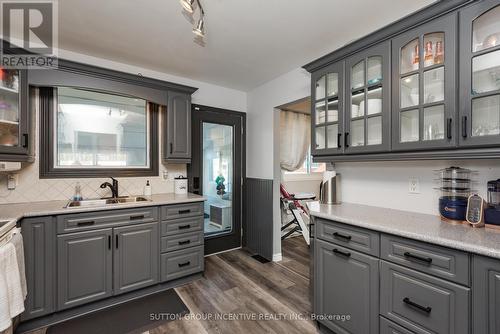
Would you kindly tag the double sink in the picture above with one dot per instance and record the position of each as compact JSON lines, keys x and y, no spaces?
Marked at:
{"x":106,"y":201}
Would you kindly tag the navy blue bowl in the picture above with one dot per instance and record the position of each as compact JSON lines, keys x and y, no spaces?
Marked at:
{"x":454,"y":208}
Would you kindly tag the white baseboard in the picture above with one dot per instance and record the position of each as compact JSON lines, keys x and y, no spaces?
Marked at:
{"x":277,"y":257}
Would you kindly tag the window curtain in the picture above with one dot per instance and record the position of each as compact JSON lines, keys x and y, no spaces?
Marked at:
{"x":295,"y":139}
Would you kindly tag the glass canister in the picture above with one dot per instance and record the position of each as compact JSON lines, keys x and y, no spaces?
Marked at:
{"x":494,"y":193}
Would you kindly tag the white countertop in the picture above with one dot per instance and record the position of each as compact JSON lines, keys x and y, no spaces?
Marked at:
{"x":423,"y":227}
{"x":36,"y":209}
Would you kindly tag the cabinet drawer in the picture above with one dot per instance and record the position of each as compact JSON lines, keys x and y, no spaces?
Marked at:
{"x":181,"y":210}
{"x":181,"y":241}
{"x":181,"y":263}
{"x":439,"y":261}
{"x":356,"y":238}
{"x":182,"y":226}
{"x":389,"y":327}
{"x":422,"y":303}
{"x":99,"y":219}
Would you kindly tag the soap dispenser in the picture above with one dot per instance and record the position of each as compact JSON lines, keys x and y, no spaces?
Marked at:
{"x":147,"y":189}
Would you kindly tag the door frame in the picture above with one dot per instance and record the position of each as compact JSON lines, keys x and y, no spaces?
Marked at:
{"x":238,"y":159}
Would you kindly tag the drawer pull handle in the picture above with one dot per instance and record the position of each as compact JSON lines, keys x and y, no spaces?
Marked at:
{"x":89,"y":223}
{"x":339,"y":252}
{"x":410,"y":256}
{"x":185,"y":242}
{"x":183,"y":212}
{"x":183,"y":227}
{"x":427,"y":309}
{"x":137,"y":217}
{"x":342,"y":236}
{"x":184,"y":264}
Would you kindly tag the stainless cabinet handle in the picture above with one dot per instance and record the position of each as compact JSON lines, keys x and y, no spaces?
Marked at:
{"x":426,"y":309}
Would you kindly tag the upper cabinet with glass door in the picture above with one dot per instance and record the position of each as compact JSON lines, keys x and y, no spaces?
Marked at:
{"x":327,"y":109}
{"x":480,"y":74}
{"x":424,"y":67}
{"x":14,"y":127}
{"x":367,"y":108}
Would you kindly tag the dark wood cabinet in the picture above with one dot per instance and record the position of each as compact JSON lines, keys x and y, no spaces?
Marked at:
{"x":136,"y":257}
{"x":367,"y":117}
{"x":177,"y":128}
{"x":84,"y":267}
{"x":486,"y":295}
{"x":40,"y":256}
{"x":424,"y":88}
{"x":15,"y":118}
{"x":346,"y":284}
{"x":480,"y":74}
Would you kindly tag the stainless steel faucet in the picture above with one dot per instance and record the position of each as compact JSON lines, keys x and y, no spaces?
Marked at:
{"x":113,"y":187}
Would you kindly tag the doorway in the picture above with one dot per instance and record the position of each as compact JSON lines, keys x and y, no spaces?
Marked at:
{"x":217,"y":172}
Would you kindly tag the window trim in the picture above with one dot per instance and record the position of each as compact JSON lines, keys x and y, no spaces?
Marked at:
{"x":46,"y":105}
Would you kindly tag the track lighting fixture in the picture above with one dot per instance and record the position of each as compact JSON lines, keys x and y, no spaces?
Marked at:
{"x":189,"y":7}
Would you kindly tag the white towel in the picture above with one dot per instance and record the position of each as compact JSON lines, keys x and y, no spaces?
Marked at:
{"x":17,"y":241}
{"x":11,"y":292}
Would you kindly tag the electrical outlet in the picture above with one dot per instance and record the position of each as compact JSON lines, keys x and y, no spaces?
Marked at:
{"x":165,"y":175}
{"x":414,"y":185}
{"x":11,"y":181}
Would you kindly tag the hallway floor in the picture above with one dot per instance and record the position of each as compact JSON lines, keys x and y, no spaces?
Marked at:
{"x":236,"y":284}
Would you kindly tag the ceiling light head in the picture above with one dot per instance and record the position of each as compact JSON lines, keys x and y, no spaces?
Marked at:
{"x":199,"y":30}
{"x":188,"y":5}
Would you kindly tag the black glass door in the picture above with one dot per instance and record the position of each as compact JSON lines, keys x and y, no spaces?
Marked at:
{"x":216,"y":173}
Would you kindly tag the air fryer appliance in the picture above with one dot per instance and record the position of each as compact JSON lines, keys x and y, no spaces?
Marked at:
{"x":492,"y":212}
{"x":329,"y":189}
{"x":456,"y":187}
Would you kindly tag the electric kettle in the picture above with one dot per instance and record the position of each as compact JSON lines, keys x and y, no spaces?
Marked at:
{"x":329,"y":189}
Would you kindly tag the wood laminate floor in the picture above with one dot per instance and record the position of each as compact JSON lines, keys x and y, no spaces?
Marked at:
{"x":238,"y":294}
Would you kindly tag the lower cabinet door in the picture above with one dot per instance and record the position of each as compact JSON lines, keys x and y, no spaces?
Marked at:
{"x":389,"y":327}
{"x":84,"y":267}
{"x":423,"y":303}
{"x":486,"y":295}
{"x":136,"y":257}
{"x":346,"y":289}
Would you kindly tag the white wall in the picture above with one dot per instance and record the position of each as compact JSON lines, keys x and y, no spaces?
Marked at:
{"x":385,"y":184}
{"x":263,"y":134}
{"x":30,"y":188}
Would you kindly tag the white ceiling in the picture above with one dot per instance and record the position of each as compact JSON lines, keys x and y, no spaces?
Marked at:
{"x":248,"y":42}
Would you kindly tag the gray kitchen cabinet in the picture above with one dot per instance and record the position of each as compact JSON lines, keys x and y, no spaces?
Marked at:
{"x":367,"y":117}
{"x":389,"y":327}
{"x":177,"y":128}
{"x":40,"y":253}
{"x":424,"y":88}
{"x":327,"y":110}
{"x":480,"y":74}
{"x":15,"y":120}
{"x":84,"y":267}
{"x":486,"y":295}
{"x":136,"y":257}
{"x":346,"y":284}
{"x":423,"y":303}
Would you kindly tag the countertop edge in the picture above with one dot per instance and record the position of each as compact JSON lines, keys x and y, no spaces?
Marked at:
{"x":65,"y":211}
{"x":438,"y":241}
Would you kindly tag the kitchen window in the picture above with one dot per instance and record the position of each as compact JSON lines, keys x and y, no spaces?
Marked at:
{"x":309,"y":167}
{"x":87,"y":133}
